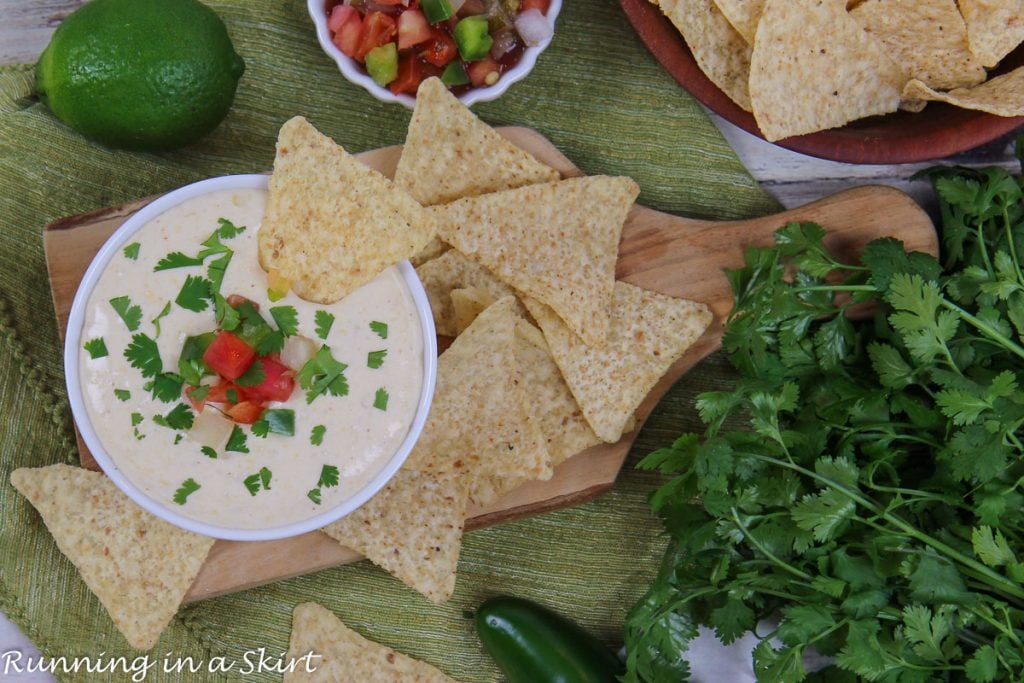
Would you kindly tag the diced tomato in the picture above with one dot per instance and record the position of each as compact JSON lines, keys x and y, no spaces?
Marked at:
{"x":542,"y":5}
{"x":339,"y":15}
{"x":389,"y":2}
{"x":277,"y":385}
{"x":378,"y":28}
{"x":480,"y":72}
{"x":413,"y":29}
{"x":347,"y":39}
{"x":440,"y":50}
{"x":219,"y":393}
{"x":229,"y":356}
{"x":410,"y":75}
{"x":472,"y":8}
{"x":245,"y":412}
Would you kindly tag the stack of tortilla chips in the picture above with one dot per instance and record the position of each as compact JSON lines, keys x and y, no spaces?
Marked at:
{"x":806,"y":65}
{"x":551,"y":355}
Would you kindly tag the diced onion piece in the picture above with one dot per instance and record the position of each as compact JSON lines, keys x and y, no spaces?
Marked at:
{"x":534,"y":27}
{"x":504,"y":41}
{"x":456,"y":5}
{"x":211,"y":428}
{"x":297,"y":350}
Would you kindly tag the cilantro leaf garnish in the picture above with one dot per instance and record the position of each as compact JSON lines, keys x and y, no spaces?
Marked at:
{"x":324,"y":322}
{"x":162,"y":314}
{"x":232,"y":395}
{"x":316,"y":436}
{"x":96,"y":348}
{"x":122,"y":394}
{"x":323,"y":374}
{"x":237,"y":441}
{"x":180,"y":417}
{"x":195,"y":294}
{"x":165,"y":387}
{"x":190,"y":363}
{"x":187,"y":488}
{"x":280,"y":420}
{"x":380,"y":399}
{"x":260,"y":428}
{"x":329,"y":477}
{"x":131,"y":251}
{"x":314,"y":495}
{"x":131,"y":314}
{"x":375,"y":359}
{"x":137,"y":419}
{"x":255,"y":331}
{"x":287,"y":319}
{"x":144,"y":355}
{"x":176,"y":259}
{"x":216,"y":270}
{"x":209,"y":452}
{"x":254,"y":376}
{"x":254,"y":483}
{"x":227,"y":317}
{"x":380,"y":329}
{"x":227,"y":230}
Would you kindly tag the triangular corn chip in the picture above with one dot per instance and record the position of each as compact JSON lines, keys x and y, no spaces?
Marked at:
{"x":649,"y":332}
{"x":412,"y":529}
{"x":1002,"y":95}
{"x":743,"y":15}
{"x":449,"y":153}
{"x":332,"y":223}
{"x":452,"y":271}
{"x":478,"y":421}
{"x":139,"y":566}
{"x":557,"y":242}
{"x":340,"y":655}
{"x":467,"y":304}
{"x":720,"y":51}
{"x":994,"y":27}
{"x":814,"y":67}
{"x":561,"y":421}
{"x":927,"y":38}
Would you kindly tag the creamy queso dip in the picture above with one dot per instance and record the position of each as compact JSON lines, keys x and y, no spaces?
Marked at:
{"x":280,"y":478}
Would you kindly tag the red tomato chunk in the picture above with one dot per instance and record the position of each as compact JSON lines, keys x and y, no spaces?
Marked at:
{"x":277,"y":385}
{"x":229,"y":356}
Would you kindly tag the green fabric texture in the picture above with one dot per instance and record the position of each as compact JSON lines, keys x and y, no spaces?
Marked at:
{"x":596,"y":93}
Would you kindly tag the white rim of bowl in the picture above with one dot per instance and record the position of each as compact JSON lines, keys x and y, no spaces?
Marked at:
{"x":355,"y":73}
{"x":72,"y":346}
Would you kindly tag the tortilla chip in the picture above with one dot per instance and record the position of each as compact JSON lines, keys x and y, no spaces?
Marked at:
{"x":649,"y":332}
{"x":556,"y":242}
{"x":333,"y":224}
{"x":450,"y":154}
{"x":928,"y":38}
{"x":722,"y":53}
{"x":1002,"y":95}
{"x":412,"y":529}
{"x":139,"y":566}
{"x":743,"y":15}
{"x":467,"y":304}
{"x":478,"y":421}
{"x":814,"y":67}
{"x":561,"y":421}
{"x":451,"y":271}
{"x":343,"y":656}
{"x":435,"y":247}
{"x":994,"y":27}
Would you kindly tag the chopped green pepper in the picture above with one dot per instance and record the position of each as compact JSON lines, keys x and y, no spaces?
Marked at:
{"x":473,"y":38}
{"x":454,"y":74}
{"x":436,"y":10}
{"x":382,"y":63}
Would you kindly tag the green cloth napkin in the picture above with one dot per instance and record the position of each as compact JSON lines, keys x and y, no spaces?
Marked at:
{"x":596,"y":93}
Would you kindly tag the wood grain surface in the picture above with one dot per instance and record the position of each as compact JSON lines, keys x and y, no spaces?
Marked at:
{"x":677,"y":256}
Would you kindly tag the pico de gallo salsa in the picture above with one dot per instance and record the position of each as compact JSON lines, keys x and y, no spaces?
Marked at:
{"x":467,"y":43}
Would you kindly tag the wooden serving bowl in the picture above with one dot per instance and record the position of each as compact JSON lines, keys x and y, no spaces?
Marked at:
{"x":902,"y":137}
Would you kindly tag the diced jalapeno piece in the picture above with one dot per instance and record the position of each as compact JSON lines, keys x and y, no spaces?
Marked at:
{"x":473,"y":38}
{"x":382,"y":63}
{"x":454,"y":74}
{"x":436,"y":10}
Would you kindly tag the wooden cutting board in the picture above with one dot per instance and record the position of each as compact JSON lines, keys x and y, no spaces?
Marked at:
{"x":677,"y":256}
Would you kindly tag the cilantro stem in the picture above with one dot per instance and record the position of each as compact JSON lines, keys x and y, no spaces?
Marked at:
{"x":984,"y":328}
{"x":999,"y":626}
{"x":993,"y":579}
{"x":767,"y":553}
{"x":1013,"y":247}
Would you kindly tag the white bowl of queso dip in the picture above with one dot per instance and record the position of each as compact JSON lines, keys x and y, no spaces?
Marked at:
{"x":228,"y":408}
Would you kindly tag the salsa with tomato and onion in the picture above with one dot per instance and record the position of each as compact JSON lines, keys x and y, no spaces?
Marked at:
{"x":466,"y":43}
{"x":221,"y":393}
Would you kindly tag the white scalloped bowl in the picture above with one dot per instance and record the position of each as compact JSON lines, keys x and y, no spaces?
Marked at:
{"x":355,"y":73}
{"x":76,"y":396}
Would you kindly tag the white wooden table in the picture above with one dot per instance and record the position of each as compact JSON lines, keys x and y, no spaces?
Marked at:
{"x":794,"y":179}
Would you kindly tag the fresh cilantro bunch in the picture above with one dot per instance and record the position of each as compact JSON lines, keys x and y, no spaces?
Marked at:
{"x":859,"y":491}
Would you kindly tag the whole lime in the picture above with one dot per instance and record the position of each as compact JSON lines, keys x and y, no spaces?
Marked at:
{"x":145,"y":75}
